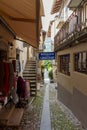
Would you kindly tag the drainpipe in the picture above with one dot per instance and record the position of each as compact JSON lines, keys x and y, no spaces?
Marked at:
{"x":27,"y":52}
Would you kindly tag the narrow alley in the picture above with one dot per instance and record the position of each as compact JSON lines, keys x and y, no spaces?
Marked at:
{"x":43,"y":64}
{"x":46,"y":112}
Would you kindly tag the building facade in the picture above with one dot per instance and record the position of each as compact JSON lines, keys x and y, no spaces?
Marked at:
{"x":70,"y":45}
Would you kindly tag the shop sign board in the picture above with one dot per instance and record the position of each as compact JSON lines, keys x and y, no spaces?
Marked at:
{"x":47,"y":56}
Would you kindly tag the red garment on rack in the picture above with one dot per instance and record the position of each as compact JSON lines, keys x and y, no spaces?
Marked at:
{"x":11,"y":76}
{"x":2,"y":73}
{"x":21,"y":87}
{"x":6,"y":79}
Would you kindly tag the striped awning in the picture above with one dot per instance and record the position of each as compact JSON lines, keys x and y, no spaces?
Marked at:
{"x":24,"y":17}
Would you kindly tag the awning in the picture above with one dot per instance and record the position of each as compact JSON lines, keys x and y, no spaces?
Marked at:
{"x":23,"y":16}
{"x":56,"y":6}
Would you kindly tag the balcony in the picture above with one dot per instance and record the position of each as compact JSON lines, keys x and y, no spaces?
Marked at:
{"x":74,"y":3}
{"x":73,"y":31}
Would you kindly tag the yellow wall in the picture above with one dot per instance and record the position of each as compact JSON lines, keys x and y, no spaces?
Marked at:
{"x":76,"y":79}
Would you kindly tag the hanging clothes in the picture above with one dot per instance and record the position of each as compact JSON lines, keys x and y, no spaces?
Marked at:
{"x":6,"y":79}
{"x":11,"y":76}
{"x":14,"y":65}
{"x":2,"y":73}
{"x":21,"y":87}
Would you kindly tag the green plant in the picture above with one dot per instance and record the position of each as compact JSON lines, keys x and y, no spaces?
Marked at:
{"x":51,"y":73}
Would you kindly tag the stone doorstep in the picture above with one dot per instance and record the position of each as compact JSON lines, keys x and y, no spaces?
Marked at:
{"x":15,"y":117}
{"x":11,"y":116}
{"x":5,"y":115}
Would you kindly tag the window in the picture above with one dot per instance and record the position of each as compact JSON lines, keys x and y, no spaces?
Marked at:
{"x":64,"y":64}
{"x":86,"y":11}
{"x":84,"y":15}
{"x":81,"y":62}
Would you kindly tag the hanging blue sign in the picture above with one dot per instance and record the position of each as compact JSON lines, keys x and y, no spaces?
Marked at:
{"x":47,"y":56}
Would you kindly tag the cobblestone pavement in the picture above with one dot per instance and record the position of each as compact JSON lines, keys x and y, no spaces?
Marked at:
{"x":32,"y":115}
{"x":61,"y":117}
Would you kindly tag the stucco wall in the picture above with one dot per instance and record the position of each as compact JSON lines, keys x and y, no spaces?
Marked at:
{"x":76,"y":79}
{"x":72,"y":90}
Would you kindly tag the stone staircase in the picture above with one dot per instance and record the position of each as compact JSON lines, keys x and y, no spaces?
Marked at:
{"x":29,"y":73}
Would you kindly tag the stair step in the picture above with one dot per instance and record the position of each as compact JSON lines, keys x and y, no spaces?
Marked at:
{"x":33,"y":94}
{"x":16,"y":117}
{"x":29,"y":69}
{"x":30,"y":64}
{"x":32,"y":81}
{"x":29,"y":78}
{"x":28,"y":74}
{"x":33,"y":89}
{"x":33,"y":66}
{"x":30,"y":61}
{"x":33,"y":85}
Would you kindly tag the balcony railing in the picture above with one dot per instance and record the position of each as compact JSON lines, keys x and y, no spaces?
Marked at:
{"x":73,"y":30}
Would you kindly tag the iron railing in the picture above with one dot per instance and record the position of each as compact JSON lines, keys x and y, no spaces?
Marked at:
{"x":72,"y":30}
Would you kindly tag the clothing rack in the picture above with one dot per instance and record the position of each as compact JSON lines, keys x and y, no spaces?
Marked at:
{"x":6,"y":82}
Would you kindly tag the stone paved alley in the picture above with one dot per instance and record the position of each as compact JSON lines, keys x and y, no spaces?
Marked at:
{"x":61,"y":118}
